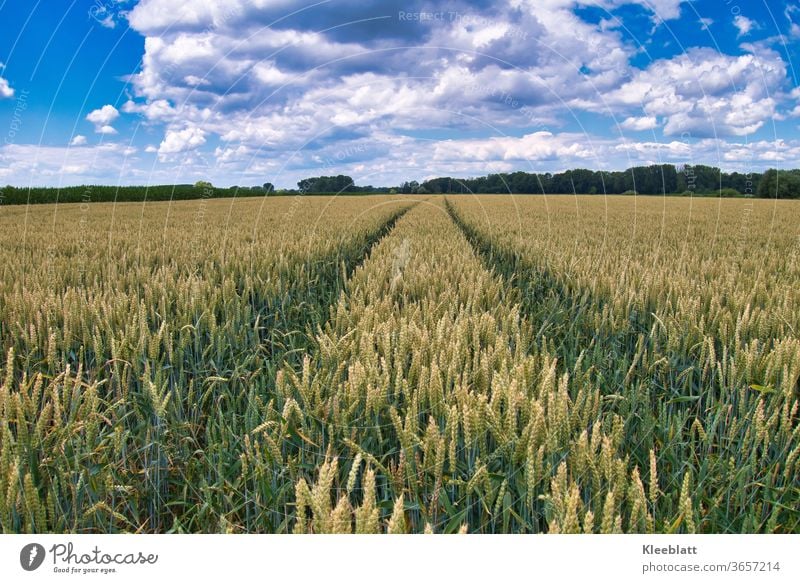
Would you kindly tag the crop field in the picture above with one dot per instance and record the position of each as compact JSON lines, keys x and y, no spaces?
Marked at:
{"x":401,"y":364}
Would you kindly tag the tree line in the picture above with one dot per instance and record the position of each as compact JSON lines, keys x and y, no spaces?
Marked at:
{"x":335,"y":185}
{"x":664,"y":179}
{"x":651,"y":180}
{"x":99,"y":193}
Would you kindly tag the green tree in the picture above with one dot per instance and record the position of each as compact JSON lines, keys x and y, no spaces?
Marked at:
{"x":779,"y":184}
{"x":327,"y":184}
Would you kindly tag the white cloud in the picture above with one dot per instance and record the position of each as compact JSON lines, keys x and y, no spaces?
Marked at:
{"x":794,"y":95}
{"x":232,"y":154}
{"x":661,"y":9}
{"x":744,"y":25}
{"x":640,"y":123}
{"x":49,"y":165}
{"x":279,"y":90}
{"x":74,"y":169}
{"x":705,"y":93}
{"x":103,"y":118}
{"x":214,"y":67}
{"x":792,"y":12}
{"x":152,"y":15}
{"x":531,"y":147}
{"x":196,"y":81}
{"x":6,"y":92}
{"x":155,"y":110}
{"x":655,"y":150}
{"x":177,"y":141}
{"x":269,"y":74}
{"x":384,"y":159}
{"x":78,"y":141}
{"x":705,"y":23}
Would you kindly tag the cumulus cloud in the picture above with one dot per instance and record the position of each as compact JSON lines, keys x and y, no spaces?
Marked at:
{"x":218,"y":69}
{"x":792,"y":14}
{"x":155,"y":110}
{"x":177,"y":141}
{"x":78,"y":140}
{"x":386,"y":158}
{"x":103,"y":118}
{"x":6,"y":92}
{"x":706,"y":93}
{"x":656,"y":150}
{"x":744,"y":25}
{"x":108,"y":162}
{"x":660,"y":9}
{"x":264,"y":75}
{"x":640,"y":123}
{"x":74,"y":168}
{"x":537,"y":146}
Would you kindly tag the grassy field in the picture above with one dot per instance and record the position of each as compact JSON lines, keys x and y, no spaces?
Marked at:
{"x":483,"y":364}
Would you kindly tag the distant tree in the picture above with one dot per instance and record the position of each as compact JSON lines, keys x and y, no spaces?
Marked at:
{"x":439,"y":185}
{"x":654,"y":179}
{"x":744,"y":183}
{"x":203,"y":184}
{"x":323,"y":184}
{"x":268,"y":187}
{"x":409,"y":187}
{"x":779,"y":184}
{"x":306,"y":184}
{"x":708,"y":179}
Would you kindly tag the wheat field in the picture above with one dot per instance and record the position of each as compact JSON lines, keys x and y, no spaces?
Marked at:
{"x":380,"y":364}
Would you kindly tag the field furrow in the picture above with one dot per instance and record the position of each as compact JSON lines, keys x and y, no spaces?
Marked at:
{"x":427,"y":406}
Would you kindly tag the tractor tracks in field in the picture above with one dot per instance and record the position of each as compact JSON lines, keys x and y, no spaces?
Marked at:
{"x":560,"y":315}
{"x":288,"y":322}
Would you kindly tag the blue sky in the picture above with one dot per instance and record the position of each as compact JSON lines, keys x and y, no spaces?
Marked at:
{"x":249,"y":91}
